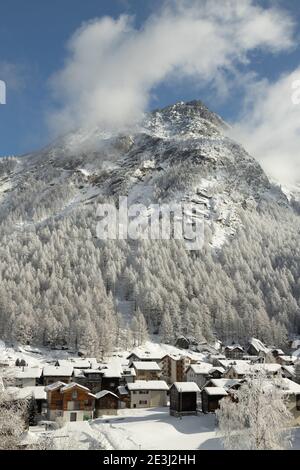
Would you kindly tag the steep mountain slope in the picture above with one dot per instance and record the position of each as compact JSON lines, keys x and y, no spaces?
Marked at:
{"x":180,"y":153}
{"x":55,"y":272}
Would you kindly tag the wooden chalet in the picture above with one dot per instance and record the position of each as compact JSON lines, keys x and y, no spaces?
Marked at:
{"x":90,"y":378}
{"x":107,"y":403}
{"x":69,"y":402}
{"x":234,"y":351}
{"x":211,"y":397}
{"x":183,"y":398}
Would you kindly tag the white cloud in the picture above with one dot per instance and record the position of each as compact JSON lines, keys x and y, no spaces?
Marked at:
{"x":14,"y":75}
{"x":270,"y":127}
{"x":112,"y":68}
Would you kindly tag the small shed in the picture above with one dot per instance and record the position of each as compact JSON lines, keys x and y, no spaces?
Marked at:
{"x":211,"y":397}
{"x":183,"y":398}
{"x":107,"y":403}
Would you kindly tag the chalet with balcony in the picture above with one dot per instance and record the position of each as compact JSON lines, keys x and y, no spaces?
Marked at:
{"x":69,"y":402}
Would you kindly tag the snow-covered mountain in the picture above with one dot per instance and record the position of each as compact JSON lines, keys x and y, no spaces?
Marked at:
{"x":180,"y":153}
{"x":55,"y":272}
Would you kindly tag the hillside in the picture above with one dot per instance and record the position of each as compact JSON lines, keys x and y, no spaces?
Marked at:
{"x":61,"y":284}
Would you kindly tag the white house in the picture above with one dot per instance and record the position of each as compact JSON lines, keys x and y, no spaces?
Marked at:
{"x":28,"y":377}
{"x":148,"y":393}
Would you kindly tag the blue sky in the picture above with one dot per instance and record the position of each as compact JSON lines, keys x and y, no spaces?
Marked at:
{"x":33,"y":37}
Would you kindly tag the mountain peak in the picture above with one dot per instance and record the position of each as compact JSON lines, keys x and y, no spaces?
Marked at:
{"x":190,"y":119}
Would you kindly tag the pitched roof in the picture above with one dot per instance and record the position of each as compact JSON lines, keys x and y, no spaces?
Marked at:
{"x":215,"y":391}
{"x":148,"y":385}
{"x":291,"y":387}
{"x":74,"y":385}
{"x":29,"y":373}
{"x":258,"y":345}
{"x":57,"y":371}
{"x":232,"y":347}
{"x":122,"y":390}
{"x":224,"y":383}
{"x":145,"y":365}
{"x":75,"y":363}
{"x":54,"y":386}
{"x":183,"y":387}
{"x":202,"y":368}
{"x":103,"y":393}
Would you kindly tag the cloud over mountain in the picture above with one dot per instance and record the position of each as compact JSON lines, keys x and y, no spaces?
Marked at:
{"x":112,"y":67}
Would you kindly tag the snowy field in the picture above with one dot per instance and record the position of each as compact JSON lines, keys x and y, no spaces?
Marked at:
{"x":155,"y":429}
{"x":146,"y":429}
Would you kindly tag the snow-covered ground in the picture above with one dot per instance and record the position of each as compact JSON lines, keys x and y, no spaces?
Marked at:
{"x":155,"y":429}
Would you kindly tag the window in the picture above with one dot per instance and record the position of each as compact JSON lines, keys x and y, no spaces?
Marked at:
{"x":298,"y":402}
{"x":143,"y":402}
{"x":74,"y":395}
{"x":144,"y":392}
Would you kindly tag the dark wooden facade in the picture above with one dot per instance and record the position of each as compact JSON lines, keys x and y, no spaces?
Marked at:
{"x":210,"y":403}
{"x":106,"y":403}
{"x":182,"y":403}
{"x":91,"y":380}
{"x":111,"y":383}
{"x":48,"y":380}
{"x":234,"y":352}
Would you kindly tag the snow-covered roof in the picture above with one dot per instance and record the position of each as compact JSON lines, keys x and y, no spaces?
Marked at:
{"x":29,"y":373}
{"x":75,"y":363}
{"x":157,"y":351}
{"x":289,"y":369}
{"x":258,"y":345}
{"x":201,"y":369}
{"x":291,"y":387}
{"x":103,"y":393}
{"x":74,"y":385}
{"x":122,"y":390}
{"x":230,"y":362}
{"x":112,"y":371}
{"x":216,"y":391}
{"x":224,"y":383}
{"x":288,"y":358}
{"x":78,"y":373}
{"x":148,"y":385}
{"x":266,"y":367}
{"x":54,"y":386}
{"x":278,"y":351}
{"x":146,"y":365}
{"x":128,"y":371}
{"x":57,"y":371}
{"x":232,"y":347}
{"x":244,"y":369}
{"x":183,"y":387}
{"x":38,"y":392}
{"x":295,"y":344}
{"x":218,"y":369}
